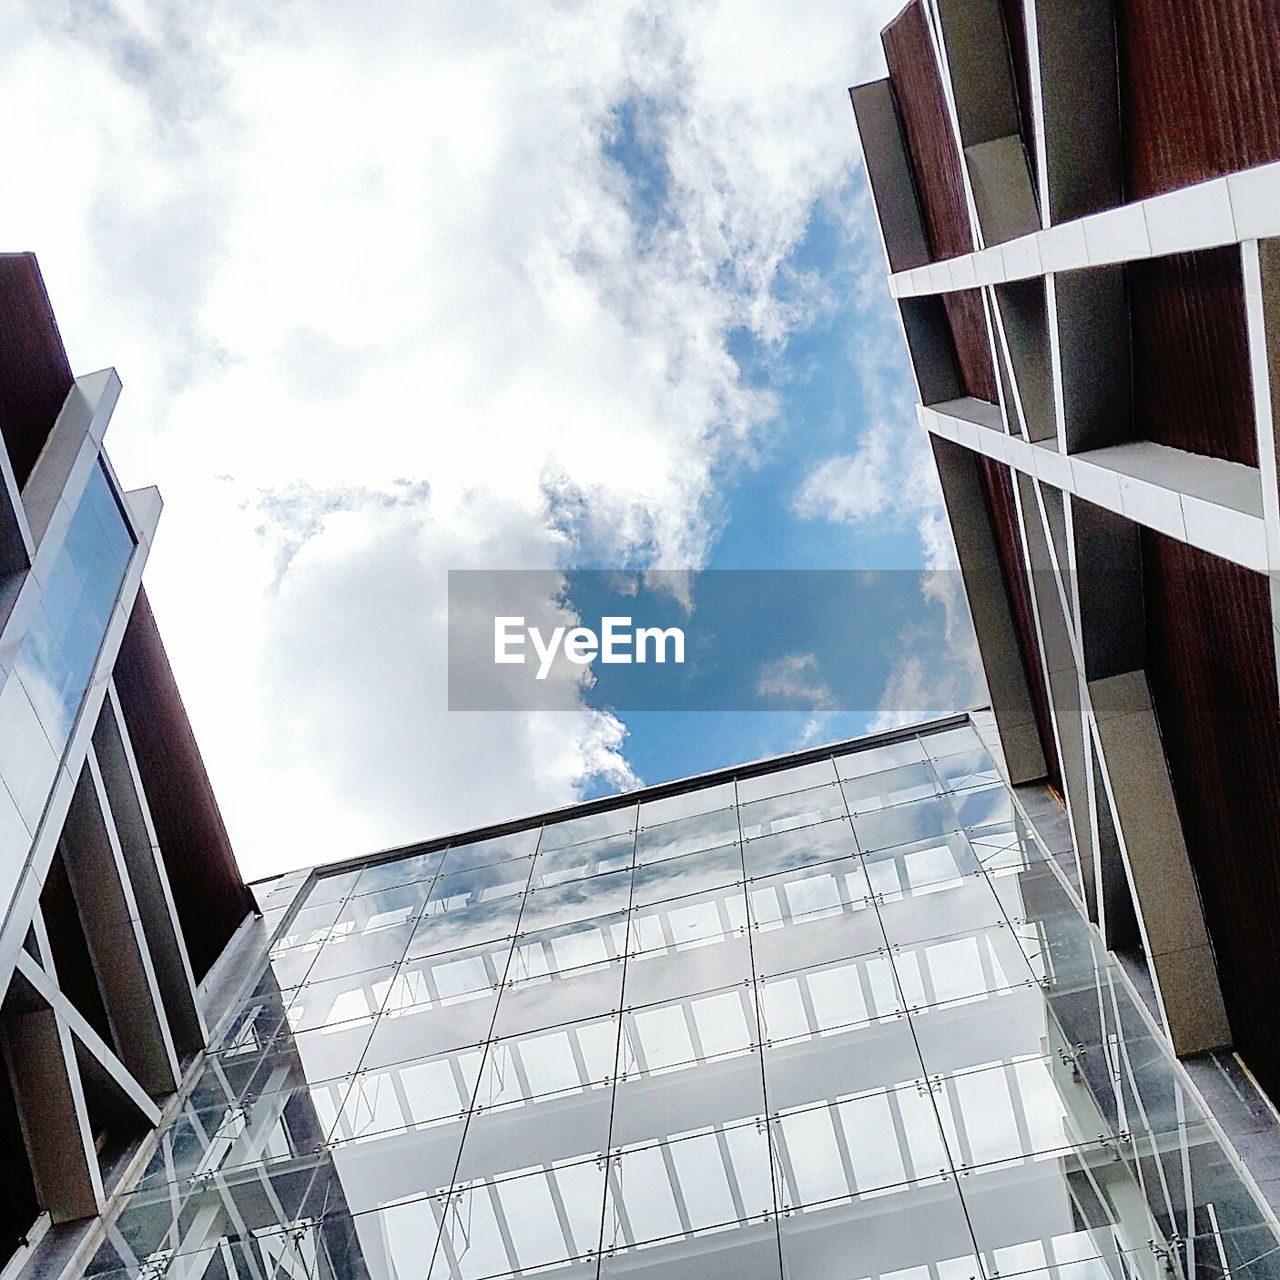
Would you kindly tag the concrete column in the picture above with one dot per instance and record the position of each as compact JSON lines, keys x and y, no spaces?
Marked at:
{"x":1157,"y":864}
{"x":112,"y":928}
{"x":989,"y":608}
{"x":144,"y":864}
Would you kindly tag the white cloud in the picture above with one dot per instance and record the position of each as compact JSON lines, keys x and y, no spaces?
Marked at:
{"x":383,"y":306}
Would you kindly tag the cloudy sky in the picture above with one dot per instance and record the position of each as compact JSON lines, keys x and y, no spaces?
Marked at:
{"x":421,"y":285}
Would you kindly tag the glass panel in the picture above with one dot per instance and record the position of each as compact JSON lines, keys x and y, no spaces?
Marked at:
{"x":563,"y":948}
{"x":904,"y":824}
{"x":875,"y":1140}
{"x":891,"y":755}
{"x":549,"y":1063}
{"x":336,"y":1000}
{"x":451,"y":924}
{"x":425,"y":1091}
{"x":967,"y":769}
{"x":449,"y":975}
{"x":785,"y":813}
{"x":508,"y":1139}
{"x":915,"y":1233}
{"x":520,"y":1224}
{"x":688,"y":1184}
{"x":687,"y":835}
{"x":594,"y":826}
{"x":690,"y":873}
{"x":668,"y":973}
{"x":816,"y":940}
{"x":894,"y":786}
{"x":968,"y":907}
{"x":825,"y":1067}
{"x":962,"y":738}
{"x":483,"y":853}
{"x":327,"y":1051}
{"x":780,"y":781}
{"x":823,"y":999}
{"x":576,"y":900}
{"x":686,"y":805}
{"x":387,"y":875}
{"x":357,"y":952}
{"x":577,"y":861}
{"x":923,"y":867}
{"x":742,"y":1251}
{"x":333,"y":887}
{"x":984,"y":806}
{"x":418,"y":1031}
{"x":310,"y":925}
{"x":382,"y":907}
{"x":699,"y":920}
{"x":766,"y":855}
{"x":808,"y":894}
{"x":543,"y":1002}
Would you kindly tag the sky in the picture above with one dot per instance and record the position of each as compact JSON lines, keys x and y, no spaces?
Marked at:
{"x":402,"y":288}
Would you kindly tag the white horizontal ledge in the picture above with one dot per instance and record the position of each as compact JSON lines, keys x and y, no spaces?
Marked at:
{"x":1228,"y":210}
{"x":1204,"y":502}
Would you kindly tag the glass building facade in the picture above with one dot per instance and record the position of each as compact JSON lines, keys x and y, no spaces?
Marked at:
{"x":836,"y":1016}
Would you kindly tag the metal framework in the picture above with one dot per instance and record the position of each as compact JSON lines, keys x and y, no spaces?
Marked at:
{"x":101,"y":1011}
{"x":1040,"y":196}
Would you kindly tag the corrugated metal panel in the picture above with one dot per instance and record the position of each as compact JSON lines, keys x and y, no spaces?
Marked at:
{"x":34,"y":374}
{"x":935,"y":158}
{"x":998,"y":487}
{"x":208,"y":891}
{"x":1191,"y":386}
{"x":1199,"y":89}
{"x":1211,"y":664}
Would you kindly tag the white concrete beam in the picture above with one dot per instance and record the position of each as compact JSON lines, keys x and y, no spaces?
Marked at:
{"x":1261,"y":270}
{"x":1158,"y":866}
{"x":1205,"y":502}
{"x":1241,"y":206}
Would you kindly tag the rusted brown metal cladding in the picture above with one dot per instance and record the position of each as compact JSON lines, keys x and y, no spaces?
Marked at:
{"x":34,"y":374}
{"x":1211,"y":664}
{"x":935,"y":157}
{"x":208,"y":891}
{"x":1199,"y":89}
{"x":998,"y":490}
{"x":935,"y":165}
{"x":972,"y":342}
{"x":1191,"y":386}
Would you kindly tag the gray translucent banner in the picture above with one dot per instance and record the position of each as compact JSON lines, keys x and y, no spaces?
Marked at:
{"x":715,"y":640}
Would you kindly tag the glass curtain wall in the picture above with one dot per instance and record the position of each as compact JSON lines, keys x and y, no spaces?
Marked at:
{"x":841,"y":1019}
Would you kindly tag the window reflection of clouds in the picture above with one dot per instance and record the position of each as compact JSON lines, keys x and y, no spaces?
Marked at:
{"x":723,"y":1032}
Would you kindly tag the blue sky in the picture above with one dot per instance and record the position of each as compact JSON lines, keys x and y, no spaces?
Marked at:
{"x":824,"y":405}
{"x":480,"y":284}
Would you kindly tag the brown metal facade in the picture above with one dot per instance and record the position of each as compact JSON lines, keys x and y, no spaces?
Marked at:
{"x":34,"y":374}
{"x":1211,"y":665}
{"x":1199,"y":89}
{"x":935,"y":157}
{"x":998,"y":491}
{"x":1191,"y":387}
{"x":208,"y":892}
